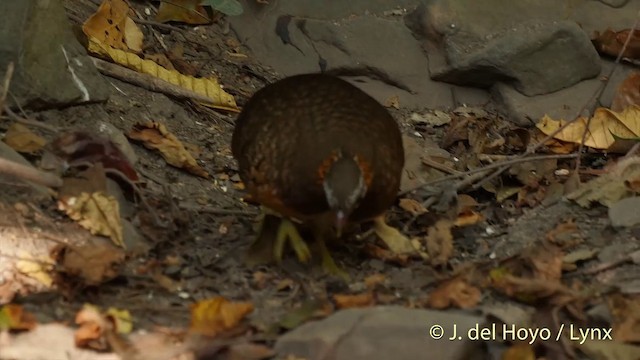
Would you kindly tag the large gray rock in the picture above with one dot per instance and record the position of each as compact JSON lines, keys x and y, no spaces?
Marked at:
{"x":52,"y":68}
{"x":537,"y":57}
{"x":361,"y":40}
{"x":384,"y":333}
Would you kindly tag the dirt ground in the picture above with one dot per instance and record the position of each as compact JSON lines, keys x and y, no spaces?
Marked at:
{"x":208,"y":228}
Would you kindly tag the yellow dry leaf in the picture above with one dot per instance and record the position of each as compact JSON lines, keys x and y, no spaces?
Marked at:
{"x":213,"y":316}
{"x":23,"y":140}
{"x":111,"y":25}
{"x":122,"y":322}
{"x":36,"y":268}
{"x":208,"y":87}
{"x":156,"y":136}
{"x":96,"y":212}
{"x":186,"y":11}
{"x":605,"y":126}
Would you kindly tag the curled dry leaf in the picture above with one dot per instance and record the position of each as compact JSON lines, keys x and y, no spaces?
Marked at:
{"x":97,"y":213}
{"x":216,"y":315}
{"x":112,"y":26}
{"x":156,"y":136}
{"x":455,"y":292}
{"x":611,"y":42}
{"x":92,"y":328}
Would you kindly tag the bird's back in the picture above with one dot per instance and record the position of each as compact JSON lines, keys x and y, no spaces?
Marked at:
{"x":288,"y":129}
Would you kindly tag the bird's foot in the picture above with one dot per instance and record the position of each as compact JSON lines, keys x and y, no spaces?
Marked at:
{"x":328,"y":265}
{"x":287,"y":232}
{"x":392,"y":237}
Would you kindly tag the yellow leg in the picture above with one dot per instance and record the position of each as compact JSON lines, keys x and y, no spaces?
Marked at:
{"x":395,"y":240}
{"x":287,"y":231}
{"x":328,"y":265}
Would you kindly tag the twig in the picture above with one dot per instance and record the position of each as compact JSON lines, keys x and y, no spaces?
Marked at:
{"x":29,"y":122}
{"x":604,"y":85}
{"x":508,"y":162}
{"x":151,"y":83}
{"x":5,"y":85}
{"x":28,"y":173}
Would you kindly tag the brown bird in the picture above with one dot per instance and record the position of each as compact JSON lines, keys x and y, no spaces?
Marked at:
{"x":321,"y":152}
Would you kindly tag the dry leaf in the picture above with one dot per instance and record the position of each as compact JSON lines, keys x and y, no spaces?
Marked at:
{"x":93,"y":263}
{"x":626,"y":314}
{"x":440,"y":242}
{"x":112,"y":26}
{"x":13,"y":317}
{"x":607,"y":130}
{"x":628,"y":92}
{"x":213,"y":316}
{"x":347,"y":301}
{"x":156,"y":136}
{"x":186,"y":11}
{"x":97,"y":213}
{"x":454,"y":292}
{"x":36,"y":268}
{"x":208,"y":87}
{"x":23,"y":140}
{"x":611,"y":187}
{"x":411,"y":206}
{"x":611,"y":42}
{"x":92,"y":327}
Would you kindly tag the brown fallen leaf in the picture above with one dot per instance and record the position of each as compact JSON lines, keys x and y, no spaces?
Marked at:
{"x":440,"y":242}
{"x":611,"y":42}
{"x":455,"y":292}
{"x":156,"y":136}
{"x":626,"y":314}
{"x":92,"y":328}
{"x":21,"y":139}
{"x":93,"y":263}
{"x":348,"y":301}
{"x":627,"y":93}
{"x":112,"y":26}
{"x":216,"y":315}
{"x":412,"y":206}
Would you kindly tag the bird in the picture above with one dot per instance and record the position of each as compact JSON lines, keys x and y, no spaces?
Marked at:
{"x":318,"y":152}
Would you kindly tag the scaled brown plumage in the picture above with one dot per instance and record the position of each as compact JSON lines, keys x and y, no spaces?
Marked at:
{"x":316,"y":149}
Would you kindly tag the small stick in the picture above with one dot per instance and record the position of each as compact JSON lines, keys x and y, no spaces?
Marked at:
{"x":29,"y":173}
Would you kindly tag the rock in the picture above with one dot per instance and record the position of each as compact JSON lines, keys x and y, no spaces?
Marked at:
{"x":51,"y":67}
{"x":308,"y":38}
{"x":564,"y":104}
{"x":615,"y":3}
{"x":383,"y":333}
{"x":625,"y":212}
{"x":537,"y":57}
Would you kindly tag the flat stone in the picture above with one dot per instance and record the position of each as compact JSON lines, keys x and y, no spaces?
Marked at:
{"x":387,"y":332}
{"x":536,"y":57}
{"x":564,"y":104}
{"x":51,"y":68}
{"x":302,"y":37}
{"x":624,"y":213}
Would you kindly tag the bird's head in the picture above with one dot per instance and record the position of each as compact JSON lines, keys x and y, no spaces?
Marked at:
{"x":344,"y":186}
